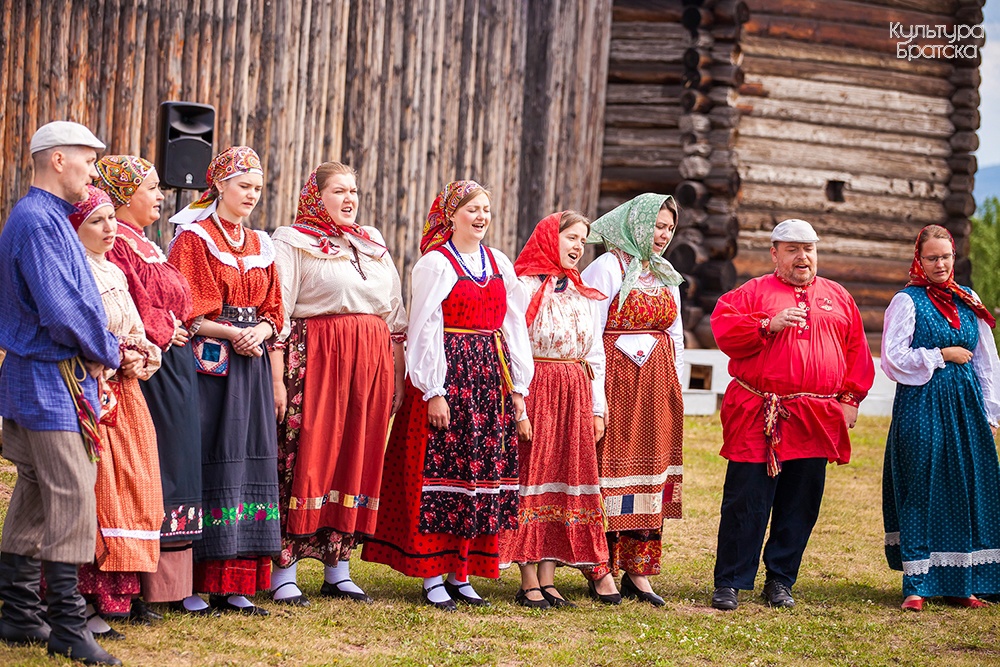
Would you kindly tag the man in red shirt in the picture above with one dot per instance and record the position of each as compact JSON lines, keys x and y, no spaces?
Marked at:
{"x":800,"y":364}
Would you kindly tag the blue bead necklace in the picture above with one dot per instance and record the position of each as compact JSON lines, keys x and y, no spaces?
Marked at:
{"x":479,"y":280}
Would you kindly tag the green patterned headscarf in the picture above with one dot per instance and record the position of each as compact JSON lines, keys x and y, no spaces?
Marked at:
{"x":630,"y":227}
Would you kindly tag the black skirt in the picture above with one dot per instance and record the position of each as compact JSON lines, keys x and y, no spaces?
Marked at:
{"x":172,"y":396}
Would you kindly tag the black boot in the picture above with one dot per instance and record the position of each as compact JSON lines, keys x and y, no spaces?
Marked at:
{"x":22,"y":607}
{"x":68,"y":618}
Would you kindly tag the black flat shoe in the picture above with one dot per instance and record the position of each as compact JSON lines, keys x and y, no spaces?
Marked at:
{"x":333,"y":591}
{"x":778,"y":595}
{"x":522,"y":599}
{"x":299,"y":600}
{"x":222,"y":603}
{"x":614,"y":598}
{"x":724,"y":599}
{"x":178,"y":606}
{"x":108,"y":635}
{"x":631,"y":591}
{"x":455,"y":591}
{"x":555,"y":600}
{"x":447,"y":605}
{"x":140,"y":614}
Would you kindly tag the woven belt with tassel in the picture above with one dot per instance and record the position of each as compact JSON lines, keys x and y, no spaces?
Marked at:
{"x":774,"y":411}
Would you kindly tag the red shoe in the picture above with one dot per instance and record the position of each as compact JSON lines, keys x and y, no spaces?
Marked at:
{"x":969,"y":602}
{"x":916,"y":604}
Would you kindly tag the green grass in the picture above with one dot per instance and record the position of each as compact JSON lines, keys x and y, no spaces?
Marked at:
{"x":847,"y":613}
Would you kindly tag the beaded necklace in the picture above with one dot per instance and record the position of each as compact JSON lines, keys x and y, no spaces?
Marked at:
{"x":479,"y":280}
{"x":233,"y":243}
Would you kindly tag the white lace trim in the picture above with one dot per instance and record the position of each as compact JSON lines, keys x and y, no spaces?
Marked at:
{"x":261,"y":261}
{"x":951,"y":559}
{"x":560,"y":487}
{"x":892,"y":539}
{"x":470,"y":492}
{"x":640,"y":480}
{"x":131,"y":534}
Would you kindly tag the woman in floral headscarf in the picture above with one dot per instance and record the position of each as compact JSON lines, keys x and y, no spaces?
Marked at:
{"x":941,"y":479}
{"x":338,"y":375}
{"x":450,"y":482}
{"x":560,"y":519}
{"x":163,"y":299}
{"x":129,"y":501}
{"x":236,"y":307}
{"x":640,"y":457}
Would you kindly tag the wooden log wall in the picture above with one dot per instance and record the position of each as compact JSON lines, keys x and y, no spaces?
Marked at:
{"x":669,"y":128}
{"x":411,"y":94}
{"x":868,"y":147}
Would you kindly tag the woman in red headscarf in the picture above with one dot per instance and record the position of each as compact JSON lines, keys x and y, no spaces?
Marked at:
{"x":338,"y":375}
{"x":941,"y":478}
{"x":450,"y":482}
{"x":163,"y":299}
{"x":560,"y":519}
{"x":129,"y":499}
{"x":236,"y":297}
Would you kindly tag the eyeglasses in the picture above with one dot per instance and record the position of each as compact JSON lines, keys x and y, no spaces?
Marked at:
{"x":939,"y":258}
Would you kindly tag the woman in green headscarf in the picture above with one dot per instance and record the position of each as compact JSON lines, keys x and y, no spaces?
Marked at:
{"x":640,"y":457}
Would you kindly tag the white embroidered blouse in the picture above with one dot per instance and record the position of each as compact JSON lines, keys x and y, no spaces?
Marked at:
{"x":567,"y":326}
{"x":315,"y":283}
{"x":432,"y":280}
{"x":605,"y":274}
{"x":916,"y":365}
{"x":123,"y":317}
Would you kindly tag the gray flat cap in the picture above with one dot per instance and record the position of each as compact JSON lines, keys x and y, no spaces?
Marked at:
{"x":794,"y":231}
{"x":64,"y":133}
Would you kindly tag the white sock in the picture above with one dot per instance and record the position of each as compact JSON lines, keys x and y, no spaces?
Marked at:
{"x":280,"y":576}
{"x":341,"y":572}
{"x":239,"y":601}
{"x":439,"y":594}
{"x":94,"y":621}
{"x":194,"y":603}
{"x":467,"y":591}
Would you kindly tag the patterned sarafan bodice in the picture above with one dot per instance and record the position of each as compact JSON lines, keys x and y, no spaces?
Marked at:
{"x":470,"y":306}
{"x":649,"y":305}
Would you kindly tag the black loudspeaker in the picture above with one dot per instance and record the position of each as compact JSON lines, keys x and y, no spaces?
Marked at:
{"x":185,"y":132}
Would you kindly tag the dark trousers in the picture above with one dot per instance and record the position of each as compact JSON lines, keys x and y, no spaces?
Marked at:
{"x":791,"y":501}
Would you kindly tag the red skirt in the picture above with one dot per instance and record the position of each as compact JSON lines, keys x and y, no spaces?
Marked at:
{"x":560,"y":516}
{"x":339,"y":376}
{"x":641,"y":456}
{"x":236,"y":576}
{"x":398,"y":541}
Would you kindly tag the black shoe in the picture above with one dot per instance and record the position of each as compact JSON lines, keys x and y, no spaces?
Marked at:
{"x":447,"y":605}
{"x":67,"y":615}
{"x":522,"y":599}
{"x":22,"y":621}
{"x":299,"y":600}
{"x":455,"y":591}
{"x":140,"y":614}
{"x":614,"y":598}
{"x":108,"y":635}
{"x":630,"y":590}
{"x":333,"y":591}
{"x":178,"y":606}
{"x":724,"y":598}
{"x":222,"y":603}
{"x":778,"y":595}
{"x":555,"y":600}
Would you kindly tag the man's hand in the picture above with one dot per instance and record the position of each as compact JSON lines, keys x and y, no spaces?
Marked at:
{"x":789,"y":317}
{"x":94,"y":369}
{"x":850,"y":414}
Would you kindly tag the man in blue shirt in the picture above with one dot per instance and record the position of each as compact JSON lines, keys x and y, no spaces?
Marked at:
{"x":50,"y":311}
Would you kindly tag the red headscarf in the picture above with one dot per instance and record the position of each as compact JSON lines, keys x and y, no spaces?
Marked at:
{"x":96,"y":198}
{"x":540,"y":257}
{"x":942,"y":295}
{"x":438,"y":227}
{"x":313,"y":219}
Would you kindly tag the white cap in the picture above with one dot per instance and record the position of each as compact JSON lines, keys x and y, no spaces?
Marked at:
{"x":64,"y":133}
{"x":794,"y":231}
